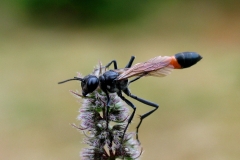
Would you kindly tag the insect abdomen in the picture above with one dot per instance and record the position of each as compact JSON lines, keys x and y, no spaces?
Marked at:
{"x":186,"y":59}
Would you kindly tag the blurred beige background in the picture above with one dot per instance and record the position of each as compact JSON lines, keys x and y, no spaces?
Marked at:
{"x":199,"y":113}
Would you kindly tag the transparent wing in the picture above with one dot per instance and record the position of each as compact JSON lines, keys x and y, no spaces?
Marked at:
{"x":158,"y":67}
{"x":161,"y":72}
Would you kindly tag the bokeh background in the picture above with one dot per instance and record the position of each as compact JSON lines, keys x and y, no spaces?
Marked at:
{"x":45,"y":41}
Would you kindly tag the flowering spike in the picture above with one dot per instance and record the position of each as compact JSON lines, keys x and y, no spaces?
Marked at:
{"x":105,"y":141}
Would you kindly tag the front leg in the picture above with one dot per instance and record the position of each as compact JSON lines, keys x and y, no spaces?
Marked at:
{"x":103,"y":86}
{"x":107,"y":109}
{"x":114,"y":63}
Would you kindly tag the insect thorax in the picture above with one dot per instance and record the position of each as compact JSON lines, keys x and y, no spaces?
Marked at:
{"x":109,"y":82}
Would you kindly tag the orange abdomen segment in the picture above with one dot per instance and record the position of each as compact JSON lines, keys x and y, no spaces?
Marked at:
{"x":175,"y":63}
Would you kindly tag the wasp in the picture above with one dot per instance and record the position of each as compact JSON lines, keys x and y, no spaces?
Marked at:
{"x":117,"y":80}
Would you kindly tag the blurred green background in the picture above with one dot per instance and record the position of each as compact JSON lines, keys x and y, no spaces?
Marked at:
{"x":44,"y":42}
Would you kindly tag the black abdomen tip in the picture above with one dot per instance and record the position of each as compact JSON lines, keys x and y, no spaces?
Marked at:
{"x":187,"y":59}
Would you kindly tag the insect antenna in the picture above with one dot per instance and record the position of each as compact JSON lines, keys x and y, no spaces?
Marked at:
{"x":75,"y":78}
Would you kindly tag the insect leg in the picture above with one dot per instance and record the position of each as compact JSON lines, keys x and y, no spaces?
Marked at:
{"x":108,"y":101}
{"x":114,"y":63}
{"x":130,"y":62}
{"x":132,"y":115}
{"x":127,"y":92}
{"x":137,"y":78}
